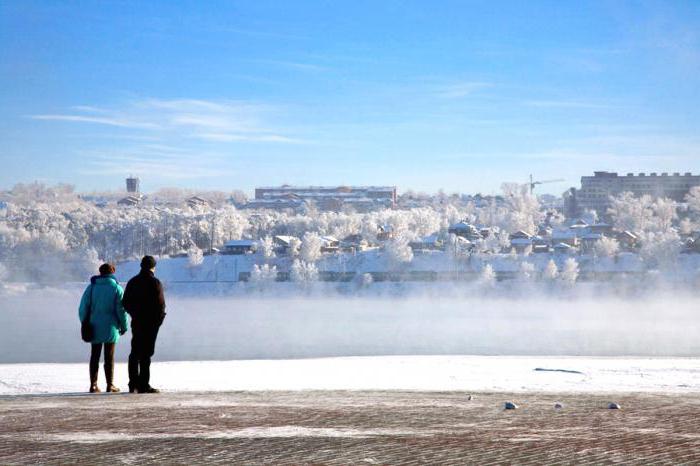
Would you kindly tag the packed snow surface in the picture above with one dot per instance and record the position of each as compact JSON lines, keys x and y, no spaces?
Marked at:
{"x":433,"y":373}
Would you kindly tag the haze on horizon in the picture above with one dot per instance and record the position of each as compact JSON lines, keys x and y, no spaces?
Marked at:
{"x":455,"y":95}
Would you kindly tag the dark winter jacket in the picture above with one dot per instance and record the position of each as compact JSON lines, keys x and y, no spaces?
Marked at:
{"x":104,"y":298}
{"x":144,"y":301}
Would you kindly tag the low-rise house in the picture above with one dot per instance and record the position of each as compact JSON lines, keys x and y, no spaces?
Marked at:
{"x":353,"y":243}
{"x":385,"y":232}
{"x":487,"y":232}
{"x":602,"y":228}
{"x":589,"y":240}
{"x":540,"y":244}
{"x":563,"y":249}
{"x":544,"y":231}
{"x":428,"y":243}
{"x":465,"y":230}
{"x":567,"y":236}
{"x":283,"y":243}
{"x":240,"y":246}
{"x":628,"y":240}
{"x":520,"y":240}
{"x":330,"y":244}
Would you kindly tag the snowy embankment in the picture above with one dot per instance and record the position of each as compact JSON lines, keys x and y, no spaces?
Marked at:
{"x":429,"y":265}
{"x":428,"y":373}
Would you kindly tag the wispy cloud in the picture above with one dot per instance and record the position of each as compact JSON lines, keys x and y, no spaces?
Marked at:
{"x":172,"y":139}
{"x":109,"y":121}
{"x":157,"y":160}
{"x":222,"y":121}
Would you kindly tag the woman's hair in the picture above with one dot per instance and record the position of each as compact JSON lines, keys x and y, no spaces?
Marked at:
{"x":107,"y":268}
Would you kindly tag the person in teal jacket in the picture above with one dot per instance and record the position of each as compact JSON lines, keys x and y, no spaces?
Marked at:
{"x":103,"y":300}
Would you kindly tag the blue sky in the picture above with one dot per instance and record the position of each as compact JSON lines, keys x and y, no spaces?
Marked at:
{"x":424,"y":95}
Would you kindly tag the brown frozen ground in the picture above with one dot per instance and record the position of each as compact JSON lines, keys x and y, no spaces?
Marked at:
{"x":348,"y":428}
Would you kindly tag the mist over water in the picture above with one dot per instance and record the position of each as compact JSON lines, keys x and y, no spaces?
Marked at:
{"x":41,"y":325}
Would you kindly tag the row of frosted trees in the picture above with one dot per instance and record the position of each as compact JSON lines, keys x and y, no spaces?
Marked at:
{"x":51,"y":230}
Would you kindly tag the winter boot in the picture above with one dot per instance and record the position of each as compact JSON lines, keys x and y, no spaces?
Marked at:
{"x":93,"y":381}
{"x":149,"y":389}
{"x":109,"y":375}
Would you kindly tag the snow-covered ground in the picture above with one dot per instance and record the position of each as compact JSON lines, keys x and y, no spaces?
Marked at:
{"x":438,"y":373}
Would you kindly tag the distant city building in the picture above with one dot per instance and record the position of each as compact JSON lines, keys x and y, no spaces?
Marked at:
{"x":240,"y":246}
{"x":132,"y":185}
{"x":362,"y":198}
{"x":129,"y":201}
{"x":196,"y":201}
{"x":596,"y":190}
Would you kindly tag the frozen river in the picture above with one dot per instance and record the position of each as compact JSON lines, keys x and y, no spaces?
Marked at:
{"x":41,"y":325}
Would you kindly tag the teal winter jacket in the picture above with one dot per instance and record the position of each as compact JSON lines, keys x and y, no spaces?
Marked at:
{"x":107,"y":316}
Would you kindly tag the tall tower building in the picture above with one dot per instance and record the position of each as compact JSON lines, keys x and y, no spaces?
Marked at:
{"x":132,"y":185}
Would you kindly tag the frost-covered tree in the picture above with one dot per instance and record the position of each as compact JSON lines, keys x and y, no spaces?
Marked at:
{"x":665,"y":213}
{"x":569,"y":273}
{"x":311,"y":245}
{"x":606,"y":247}
{"x":631,"y":213}
{"x":522,"y":209}
{"x":262,"y":275}
{"x":551,"y":271}
{"x":294,"y":246}
{"x":267,"y":248}
{"x":195,"y":256}
{"x":457,"y":247}
{"x":661,"y":249}
{"x":303,"y":272}
{"x":398,"y":251}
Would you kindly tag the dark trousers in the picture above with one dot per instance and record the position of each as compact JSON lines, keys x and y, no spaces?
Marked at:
{"x":143,"y":345}
{"x":95,"y":353}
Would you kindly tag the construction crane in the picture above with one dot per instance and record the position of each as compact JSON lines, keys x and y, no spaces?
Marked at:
{"x":535,"y":183}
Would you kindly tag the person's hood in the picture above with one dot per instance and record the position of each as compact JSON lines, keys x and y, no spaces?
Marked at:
{"x":110,"y":276}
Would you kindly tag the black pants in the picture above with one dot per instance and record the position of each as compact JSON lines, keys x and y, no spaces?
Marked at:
{"x":143,"y":345}
{"x":95,"y":353}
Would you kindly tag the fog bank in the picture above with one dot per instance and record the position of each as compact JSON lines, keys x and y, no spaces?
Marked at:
{"x":42,"y":326}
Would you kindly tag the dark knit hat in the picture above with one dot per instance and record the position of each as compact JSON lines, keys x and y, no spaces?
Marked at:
{"x":148,"y":262}
{"x":107,"y":268}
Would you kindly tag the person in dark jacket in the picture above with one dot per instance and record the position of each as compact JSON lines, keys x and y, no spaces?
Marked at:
{"x":144,"y":301}
{"x":102,"y":304}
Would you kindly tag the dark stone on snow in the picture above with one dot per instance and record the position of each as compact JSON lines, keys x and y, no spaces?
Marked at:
{"x":510,"y":405}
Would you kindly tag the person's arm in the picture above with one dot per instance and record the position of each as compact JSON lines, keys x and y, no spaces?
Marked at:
{"x":121,"y":312}
{"x":128,"y":299}
{"x":161,"y":300}
{"x":84,"y":303}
